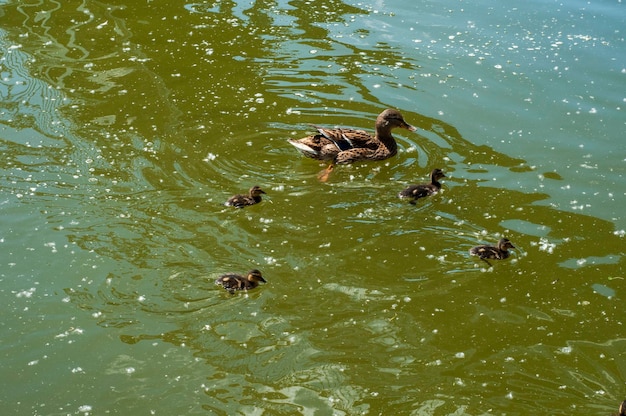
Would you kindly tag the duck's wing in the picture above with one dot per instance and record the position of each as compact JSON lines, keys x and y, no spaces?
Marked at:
{"x":421,"y":191}
{"x":346,"y":139}
{"x":407,"y":192}
{"x":328,"y":143}
{"x":240,"y":201}
{"x":235,"y":201}
{"x":230,"y":282}
{"x":484,"y":252}
{"x":416,"y":191}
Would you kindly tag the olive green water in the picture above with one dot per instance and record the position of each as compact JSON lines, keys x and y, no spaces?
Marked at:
{"x":125,"y":126}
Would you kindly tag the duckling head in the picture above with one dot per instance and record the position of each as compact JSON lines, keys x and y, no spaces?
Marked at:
{"x":255,"y":276}
{"x":437,"y":174}
{"x":256,"y":191}
{"x":505,"y":244}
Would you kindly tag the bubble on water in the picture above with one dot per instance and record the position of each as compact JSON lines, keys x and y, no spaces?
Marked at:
{"x":85,"y":408}
{"x":28,"y":293}
{"x":209,"y":157}
{"x":544,"y":245}
{"x":565,"y":350}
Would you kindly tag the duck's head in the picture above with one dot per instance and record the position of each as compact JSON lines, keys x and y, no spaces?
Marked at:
{"x":255,"y":276}
{"x":437,"y":174}
{"x":390,"y":119}
{"x":504,"y":244}
{"x":256,"y":191}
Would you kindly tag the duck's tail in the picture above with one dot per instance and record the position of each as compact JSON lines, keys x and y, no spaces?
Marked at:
{"x":307,"y":150}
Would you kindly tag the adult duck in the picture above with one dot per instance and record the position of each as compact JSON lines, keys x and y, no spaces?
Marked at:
{"x":233,"y":282}
{"x":422,"y":190}
{"x":343,"y":146}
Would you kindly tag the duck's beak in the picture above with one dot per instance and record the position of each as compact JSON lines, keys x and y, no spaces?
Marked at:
{"x":409,"y":127}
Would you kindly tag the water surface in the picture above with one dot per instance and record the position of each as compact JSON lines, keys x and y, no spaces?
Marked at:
{"x":124,"y":128}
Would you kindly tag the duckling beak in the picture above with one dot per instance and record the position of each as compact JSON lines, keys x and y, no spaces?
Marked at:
{"x":409,"y":127}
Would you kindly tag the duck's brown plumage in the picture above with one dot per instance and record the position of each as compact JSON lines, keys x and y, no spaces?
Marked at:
{"x":423,"y":189}
{"x":240,"y":201}
{"x":342,"y":146}
{"x":622,"y":409}
{"x":232,"y":282}
{"x":498,"y":252}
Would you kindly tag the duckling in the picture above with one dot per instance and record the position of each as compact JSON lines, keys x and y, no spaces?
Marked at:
{"x":498,"y":252}
{"x":423,"y":189}
{"x":343,"y":146}
{"x":240,"y":201}
{"x":232,"y":282}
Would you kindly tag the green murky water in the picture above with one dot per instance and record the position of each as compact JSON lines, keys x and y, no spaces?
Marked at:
{"x":125,"y":126}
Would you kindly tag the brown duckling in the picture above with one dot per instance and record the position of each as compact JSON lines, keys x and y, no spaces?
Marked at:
{"x":423,"y":189}
{"x":240,"y":201}
{"x":486,"y":252}
{"x":343,"y":146}
{"x":232,"y":282}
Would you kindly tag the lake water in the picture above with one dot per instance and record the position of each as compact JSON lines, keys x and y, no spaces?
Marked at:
{"x":124,"y":126}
